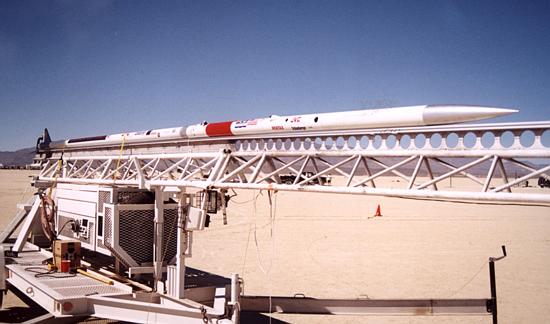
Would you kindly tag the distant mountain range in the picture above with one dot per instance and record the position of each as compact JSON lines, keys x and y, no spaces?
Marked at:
{"x":17,"y":158}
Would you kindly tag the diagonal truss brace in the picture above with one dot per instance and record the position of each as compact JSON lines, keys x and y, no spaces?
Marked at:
{"x":308,"y":171}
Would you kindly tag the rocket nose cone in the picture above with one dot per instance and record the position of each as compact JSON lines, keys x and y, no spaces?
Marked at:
{"x":447,"y":114}
{"x":493,"y":111}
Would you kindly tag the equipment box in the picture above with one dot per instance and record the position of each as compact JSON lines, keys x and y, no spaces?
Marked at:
{"x":67,"y":250}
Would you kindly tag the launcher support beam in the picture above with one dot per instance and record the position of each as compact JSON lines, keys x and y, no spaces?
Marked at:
{"x":159,"y":236}
{"x":31,"y":217}
{"x":183,"y":204}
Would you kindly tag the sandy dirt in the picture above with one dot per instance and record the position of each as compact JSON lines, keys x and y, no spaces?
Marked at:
{"x":15,"y":188}
{"x":330,"y":246}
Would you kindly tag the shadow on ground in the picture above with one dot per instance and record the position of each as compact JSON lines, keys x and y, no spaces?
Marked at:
{"x":20,"y":314}
{"x":252,"y":318}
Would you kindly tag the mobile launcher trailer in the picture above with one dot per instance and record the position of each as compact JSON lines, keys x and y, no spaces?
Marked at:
{"x":120,"y":218}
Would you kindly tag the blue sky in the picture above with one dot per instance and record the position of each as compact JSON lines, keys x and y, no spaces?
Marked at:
{"x":96,"y":67}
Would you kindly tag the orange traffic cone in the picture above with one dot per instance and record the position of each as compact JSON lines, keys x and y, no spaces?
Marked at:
{"x":378,"y":213}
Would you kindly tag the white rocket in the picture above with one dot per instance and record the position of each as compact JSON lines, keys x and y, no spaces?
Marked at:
{"x":411,"y":116}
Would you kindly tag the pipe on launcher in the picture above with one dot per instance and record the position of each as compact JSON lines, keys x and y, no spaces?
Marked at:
{"x":425,"y":115}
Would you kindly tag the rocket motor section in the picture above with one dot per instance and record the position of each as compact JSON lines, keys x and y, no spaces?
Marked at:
{"x":250,"y":127}
{"x":147,"y":136}
{"x":269,"y":125}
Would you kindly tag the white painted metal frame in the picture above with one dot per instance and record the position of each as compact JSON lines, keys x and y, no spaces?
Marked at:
{"x":52,"y":295}
{"x":307,"y":305}
{"x":422,"y":159}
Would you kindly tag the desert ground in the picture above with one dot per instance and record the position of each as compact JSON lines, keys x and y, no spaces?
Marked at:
{"x":330,"y":246}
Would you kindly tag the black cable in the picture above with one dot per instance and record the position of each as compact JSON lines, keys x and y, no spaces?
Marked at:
{"x":63,"y":227}
{"x":54,"y":239}
{"x":39,"y":273}
{"x":168,"y":240}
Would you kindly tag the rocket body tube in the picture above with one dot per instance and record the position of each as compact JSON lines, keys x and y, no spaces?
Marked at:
{"x":374,"y":118}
